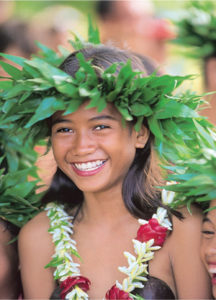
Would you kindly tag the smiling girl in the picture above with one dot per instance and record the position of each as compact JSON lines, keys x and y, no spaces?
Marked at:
{"x":106,"y":179}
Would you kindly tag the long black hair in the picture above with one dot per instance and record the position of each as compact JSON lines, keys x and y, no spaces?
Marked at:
{"x":140,"y":195}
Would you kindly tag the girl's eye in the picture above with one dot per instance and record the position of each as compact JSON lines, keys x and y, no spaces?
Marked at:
{"x":100,"y":127}
{"x":208,"y":233}
{"x":65,"y":130}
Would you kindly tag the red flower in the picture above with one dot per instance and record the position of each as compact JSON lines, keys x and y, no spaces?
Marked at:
{"x":116,"y":293}
{"x":152,"y":230}
{"x":68,"y":284}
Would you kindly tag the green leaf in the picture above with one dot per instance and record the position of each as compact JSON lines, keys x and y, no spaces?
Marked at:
{"x":11,"y":70}
{"x":49,"y":54}
{"x":207,"y":137}
{"x":8,"y":105}
{"x":138,"y":124}
{"x":67,"y":88}
{"x":93,"y":33}
{"x":124,"y":112}
{"x":51,"y":73}
{"x":47,"y":108}
{"x":170,"y":108}
{"x":17,"y":90}
{"x":16,"y":59}
{"x":6,"y":85}
{"x":73,"y":106}
{"x":139,"y":109}
{"x":21,"y":190}
{"x":155,"y":128}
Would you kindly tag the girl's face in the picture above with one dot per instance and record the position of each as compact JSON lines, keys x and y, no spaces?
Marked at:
{"x":94,"y":149}
{"x":208,"y":247}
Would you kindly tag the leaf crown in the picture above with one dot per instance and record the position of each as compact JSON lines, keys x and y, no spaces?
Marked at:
{"x":183,"y":139}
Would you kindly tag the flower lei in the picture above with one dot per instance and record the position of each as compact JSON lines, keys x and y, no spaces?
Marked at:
{"x":150,"y":237}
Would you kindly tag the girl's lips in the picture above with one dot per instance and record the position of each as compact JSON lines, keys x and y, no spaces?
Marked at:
{"x":212,"y":271}
{"x":213,"y":279}
{"x":88,"y":168}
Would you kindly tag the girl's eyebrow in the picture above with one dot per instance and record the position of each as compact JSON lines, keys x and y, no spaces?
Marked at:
{"x":103,"y":117}
{"x":206,"y":219}
{"x":56,"y":121}
{"x":96,"y":118}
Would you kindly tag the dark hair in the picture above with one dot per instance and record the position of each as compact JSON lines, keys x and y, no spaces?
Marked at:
{"x":139,"y":193}
{"x":150,"y":65}
{"x":104,"y":8}
{"x":13,"y":229}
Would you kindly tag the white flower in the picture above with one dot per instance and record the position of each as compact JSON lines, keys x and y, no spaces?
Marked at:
{"x":142,"y":278}
{"x":119,"y":285}
{"x":142,"y":222}
{"x":139,"y":285}
{"x":161,"y":216}
{"x":131,"y":258}
{"x":56,"y":234}
{"x":77,"y":293}
{"x":167,"y":196}
{"x":67,"y":229}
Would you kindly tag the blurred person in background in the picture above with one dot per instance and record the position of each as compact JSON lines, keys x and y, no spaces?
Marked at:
{"x":15,"y":38}
{"x":57,"y":23}
{"x":196,"y":33}
{"x":6,"y":10}
{"x":132,"y":24}
{"x":10,"y":284}
{"x":210,"y":86}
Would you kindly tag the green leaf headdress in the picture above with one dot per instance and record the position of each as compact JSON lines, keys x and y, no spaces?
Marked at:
{"x":183,"y":139}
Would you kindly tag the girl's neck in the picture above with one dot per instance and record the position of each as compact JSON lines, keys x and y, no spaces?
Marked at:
{"x":104,"y":207}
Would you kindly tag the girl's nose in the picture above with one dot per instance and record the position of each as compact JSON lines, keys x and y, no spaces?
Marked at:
{"x":83,"y":144}
{"x":210,"y":249}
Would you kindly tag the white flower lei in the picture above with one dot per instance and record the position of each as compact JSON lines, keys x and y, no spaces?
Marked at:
{"x":61,"y":228}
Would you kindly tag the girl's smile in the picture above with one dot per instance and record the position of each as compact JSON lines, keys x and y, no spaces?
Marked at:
{"x":88,"y":168}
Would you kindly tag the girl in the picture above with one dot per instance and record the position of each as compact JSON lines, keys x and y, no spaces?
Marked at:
{"x":208,"y":247}
{"x":106,"y":179}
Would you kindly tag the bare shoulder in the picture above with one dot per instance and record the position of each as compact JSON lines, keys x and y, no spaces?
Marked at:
{"x":191,"y":221}
{"x":34,"y":235}
{"x":35,"y":252}
{"x":36,"y":227}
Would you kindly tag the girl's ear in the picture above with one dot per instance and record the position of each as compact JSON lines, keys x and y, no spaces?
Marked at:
{"x":142,"y":137}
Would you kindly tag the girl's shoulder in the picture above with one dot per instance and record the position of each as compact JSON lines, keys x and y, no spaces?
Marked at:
{"x":36,"y":231}
{"x":191,"y":220}
{"x":37,"y":225}
{"x":186,"y":234}
{"x":36,"y":249}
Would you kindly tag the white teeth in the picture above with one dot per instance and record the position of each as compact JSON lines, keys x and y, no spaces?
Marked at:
{"x":89,"y":166}
{"x":212,"y":270}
